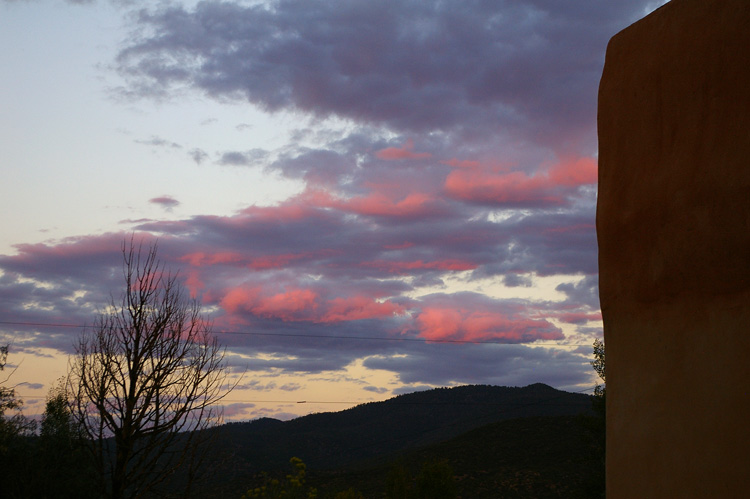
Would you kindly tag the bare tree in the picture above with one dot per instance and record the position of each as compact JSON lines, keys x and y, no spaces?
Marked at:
{"x":13,"y":425}
{"x":146,"y":379}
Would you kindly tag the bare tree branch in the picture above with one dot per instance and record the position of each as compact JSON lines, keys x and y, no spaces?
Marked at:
{"x":147,"y":380}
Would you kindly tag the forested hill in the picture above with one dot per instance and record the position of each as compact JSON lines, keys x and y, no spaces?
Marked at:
{"x":380,"y":430}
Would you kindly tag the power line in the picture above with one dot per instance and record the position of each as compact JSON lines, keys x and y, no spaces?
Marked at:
{"x":322,"y":336}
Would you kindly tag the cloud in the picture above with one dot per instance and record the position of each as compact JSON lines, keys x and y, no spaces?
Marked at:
{"x":247,"y":158}
{"x":584,"y":292}
{"x":257,"y":386}
{"x":405,"y":152}
{"x":509,"y":365}
{"x":494,"y":185}
{"x":167,"y":202}
{"x":159,"y":142}
{"x":408,"y":65}
{"x":462,"y":149}
{"x":580,"y":317}
{"x":33,"y":386}
{"x":298,"y":305}
{"x":375,"y":389}
{"x":198,"y":155}
{"x":234,"y":410}
{"x":473,"y":317}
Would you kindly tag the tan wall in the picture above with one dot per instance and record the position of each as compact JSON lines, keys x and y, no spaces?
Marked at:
{"x":673,"y":222}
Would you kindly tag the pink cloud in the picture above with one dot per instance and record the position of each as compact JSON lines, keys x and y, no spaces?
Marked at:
{"x":381,"y":202}
{"x":378,"y":204}
{"x":194,"y":283}
{"x":296,"y":207}
{"x":297,"y":305}
{"x":357,"y":308}
{"x":575,"y":172}
{"x":263,"y":262}
{"x":202,"y":259}
{"x":461,"y":163}
{"x":443,"y":323}
{"x":493,"y":185}
{"x":406,"y":152}
{"x":290,"y":305}
{"x":402,"y":267}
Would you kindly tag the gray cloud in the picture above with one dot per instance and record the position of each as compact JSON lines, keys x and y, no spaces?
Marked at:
{"x":477,"y":67}
{"x":198,"y":155}
{"x":511,"y":365}
{"x":247,"y":158}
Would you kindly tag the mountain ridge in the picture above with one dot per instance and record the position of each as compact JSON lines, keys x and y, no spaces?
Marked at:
{"x":377,"y":432}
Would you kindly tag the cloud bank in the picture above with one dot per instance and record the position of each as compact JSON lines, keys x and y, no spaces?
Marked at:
{"x":445,"y":148}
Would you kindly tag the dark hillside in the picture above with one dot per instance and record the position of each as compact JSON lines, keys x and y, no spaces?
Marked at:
{"x":530,"y":457}
{"x":373,"y":433}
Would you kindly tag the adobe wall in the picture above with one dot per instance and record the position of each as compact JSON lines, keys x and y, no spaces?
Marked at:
{"x":673,"y":224}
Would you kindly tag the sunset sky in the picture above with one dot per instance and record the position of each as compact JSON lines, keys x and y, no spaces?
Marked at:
{"x":368,"y":197}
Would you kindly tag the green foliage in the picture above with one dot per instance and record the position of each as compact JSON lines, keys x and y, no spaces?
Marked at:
{"x":434,"y":481}
{"x":397,"y":483}
{"x":600,"y":391}
{"x":292,"y":487}
{"x":598,"y":363}
{"x":598,"y":423}
{"x":350,"y":493}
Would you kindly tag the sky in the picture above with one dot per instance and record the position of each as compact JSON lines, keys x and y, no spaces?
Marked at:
{"x":367,"y":198}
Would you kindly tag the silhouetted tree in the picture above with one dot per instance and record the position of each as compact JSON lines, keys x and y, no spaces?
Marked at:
{"x":9,"y":426}
{"x":292,"y":487}
{"x":397,"y":482}
{"x":67,"y":469}
{"x":434,"y":481}
{"x":16,"y":451}
{"x":146,"y":379}
{"x":12,"y":422}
